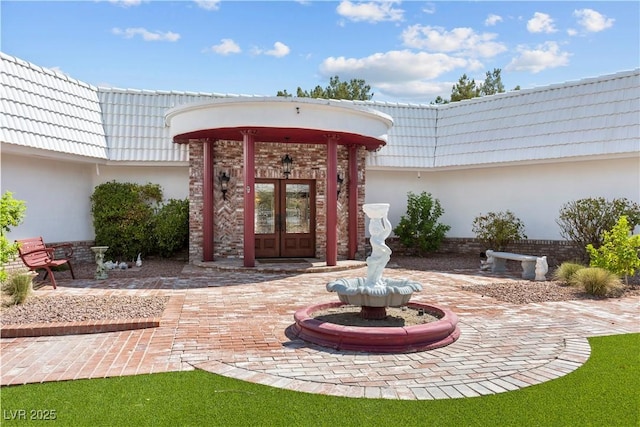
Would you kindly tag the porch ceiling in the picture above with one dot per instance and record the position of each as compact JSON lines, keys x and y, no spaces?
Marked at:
{"x":279,"y":119}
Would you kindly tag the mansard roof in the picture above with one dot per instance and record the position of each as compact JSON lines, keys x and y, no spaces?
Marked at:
{"x":45,"y":110}
{"x":589,"y":118}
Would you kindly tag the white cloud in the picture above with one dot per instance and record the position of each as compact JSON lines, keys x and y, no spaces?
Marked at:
{"x":492,"y":20}
{"x":541,"y":23}
{"x":459,"y":40}
{"x":429,"y":8}
{"x":225,"y":47}
{"x":593,"y":21}
{"x":547,"y":55}
{"x":127,"y":3}
{"x":279,"y":50}
{"x":399,"y":74}
{"x":208,"y":4}
{"x":146,"y":35}
{"x":392,"y":67}
{"x":372,"y":12}
{"x":58,"y":70}
{"x":416,"y":89}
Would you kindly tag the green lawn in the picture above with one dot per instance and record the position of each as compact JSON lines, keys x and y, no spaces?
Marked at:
{"x":603,"y":392}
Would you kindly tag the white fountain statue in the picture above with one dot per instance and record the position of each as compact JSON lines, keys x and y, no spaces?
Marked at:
{"x":374,"y":293}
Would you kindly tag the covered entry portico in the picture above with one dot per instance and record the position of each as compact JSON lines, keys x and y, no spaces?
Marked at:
{"x":287,"y":122}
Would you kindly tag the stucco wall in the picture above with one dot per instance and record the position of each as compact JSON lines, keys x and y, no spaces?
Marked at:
{"x":535,"y":193}
{"x":56,"y":194}
{"x":174,"y":180}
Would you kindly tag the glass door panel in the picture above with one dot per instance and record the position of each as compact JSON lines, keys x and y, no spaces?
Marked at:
{"x":298,"y":210}
{"x":265,"y":208}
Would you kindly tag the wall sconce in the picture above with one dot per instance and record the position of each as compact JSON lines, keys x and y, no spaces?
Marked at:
{"x":287,"y":163}
{"x":340,"y":181}
{"x":224,"y":184}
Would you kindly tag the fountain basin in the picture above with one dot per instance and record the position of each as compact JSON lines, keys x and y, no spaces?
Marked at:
{"x":388,"y":293}
{"x":377,"y":339}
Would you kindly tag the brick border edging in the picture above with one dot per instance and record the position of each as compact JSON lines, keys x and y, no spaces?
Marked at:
{"x":574,"y":355}
{"x":77,"y":328}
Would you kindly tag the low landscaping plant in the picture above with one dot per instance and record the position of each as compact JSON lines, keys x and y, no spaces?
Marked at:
{"x":497,"y":229}
{"x":123,"y":217}
{"x":171,"y":227}
{"x":12,"y":212}
{"x":618,"y":252}
{"x":132,"y":219}
{"x":566,"y":271}
{"x":597,"y":281}
{"x":419,"y":229}
{"x":18,"y":286}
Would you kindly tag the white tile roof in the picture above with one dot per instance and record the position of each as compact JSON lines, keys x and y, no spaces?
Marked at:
{"x":134,"y":124}
{"x":591,"y":117}
{"x":411,"y":140}
{"x":48,"y":110}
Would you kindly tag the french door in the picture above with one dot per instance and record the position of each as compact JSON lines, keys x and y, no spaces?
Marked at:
{"x":285,"y":218}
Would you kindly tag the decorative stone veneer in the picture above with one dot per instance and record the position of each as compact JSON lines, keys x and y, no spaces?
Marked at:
{"x":309,"y":164}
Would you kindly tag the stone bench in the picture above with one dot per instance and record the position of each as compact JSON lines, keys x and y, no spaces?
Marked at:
{"x":533,"y":267}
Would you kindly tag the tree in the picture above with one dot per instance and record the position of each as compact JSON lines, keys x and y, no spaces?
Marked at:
{"x":464,"y":89}
{"x":492,"y":83}
{"x":439,"y":100}
{"x":467,"y":89}
{"x":355,"y":89}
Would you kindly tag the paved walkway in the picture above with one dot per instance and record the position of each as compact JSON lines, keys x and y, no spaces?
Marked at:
{"x":233,"y":323}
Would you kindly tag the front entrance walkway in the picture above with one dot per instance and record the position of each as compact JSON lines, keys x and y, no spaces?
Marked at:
{"x":233,"y":323}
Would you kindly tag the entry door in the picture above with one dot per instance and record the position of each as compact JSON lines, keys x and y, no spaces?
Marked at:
{"x":285,"y":218}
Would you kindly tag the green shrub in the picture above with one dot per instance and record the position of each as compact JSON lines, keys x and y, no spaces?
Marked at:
{"x":497,"y":229}
{"x":171,"y":229}
{"x":11,"y":215}
{"x":18,"y":285}
{"x":566,"y":272}
{"x":420,"y":229}
{"x":619,"y":250}
{"x":123,"y":217}
{"x":584,"y":221}
{"x":597,"y":281}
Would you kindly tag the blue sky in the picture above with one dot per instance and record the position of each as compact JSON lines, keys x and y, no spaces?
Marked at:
{"x":409,"y":51}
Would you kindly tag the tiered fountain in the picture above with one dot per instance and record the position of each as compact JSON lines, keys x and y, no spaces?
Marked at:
{"x":373,"y":295}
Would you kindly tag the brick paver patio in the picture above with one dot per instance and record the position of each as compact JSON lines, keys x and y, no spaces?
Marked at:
{"x":233,"y":323}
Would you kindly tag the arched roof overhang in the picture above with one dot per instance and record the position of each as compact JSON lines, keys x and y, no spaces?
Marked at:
{"x":280,"y":119}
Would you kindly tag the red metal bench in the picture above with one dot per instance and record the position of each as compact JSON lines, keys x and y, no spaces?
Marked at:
{"x":37,"y":256}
